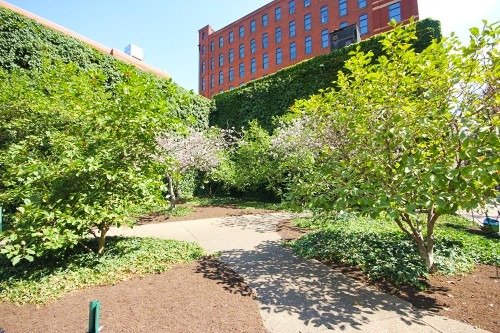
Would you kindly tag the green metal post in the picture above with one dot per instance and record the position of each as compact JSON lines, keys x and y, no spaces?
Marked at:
{"x":94,"y":316}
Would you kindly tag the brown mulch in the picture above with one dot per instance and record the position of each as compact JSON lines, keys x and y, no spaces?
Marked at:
{"x":473,"y":298}
{"x":204,"y":296}
{"x":203,"y":212}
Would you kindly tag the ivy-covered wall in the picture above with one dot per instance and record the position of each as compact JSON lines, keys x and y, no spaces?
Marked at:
{"x":26,"y":44}
{"x":272,"y":95}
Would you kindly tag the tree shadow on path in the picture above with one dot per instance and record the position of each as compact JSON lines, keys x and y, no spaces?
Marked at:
{"x":313,"y":293}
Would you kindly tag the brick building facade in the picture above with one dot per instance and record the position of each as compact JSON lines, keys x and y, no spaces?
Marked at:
{"x":283,"y":33}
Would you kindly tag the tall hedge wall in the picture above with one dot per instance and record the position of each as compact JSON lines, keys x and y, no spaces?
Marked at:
{"x":25,"y":44}
{"x":272,"y":95}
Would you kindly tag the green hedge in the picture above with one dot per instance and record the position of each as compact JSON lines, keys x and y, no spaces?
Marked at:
{"x":26,"y":44}
{"x":272,"y":95}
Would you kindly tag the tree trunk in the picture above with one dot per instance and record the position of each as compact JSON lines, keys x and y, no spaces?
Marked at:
{"x":102,"y":239}
{"x":426,"y":252}
{"x":425,"y":245}
{"x":171,"y":193}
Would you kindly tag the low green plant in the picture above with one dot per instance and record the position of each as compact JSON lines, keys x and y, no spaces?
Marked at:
{"x":382,"y":251}
{"x":53,"y":275}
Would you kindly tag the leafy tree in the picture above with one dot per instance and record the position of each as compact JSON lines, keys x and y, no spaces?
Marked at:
{"x":413,"y":135}
{"x":75,"y":157}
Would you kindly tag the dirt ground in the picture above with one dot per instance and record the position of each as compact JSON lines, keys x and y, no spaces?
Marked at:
{"x":204,"y":296}
{"x":203,"y":212}
{"x":473,"y":298}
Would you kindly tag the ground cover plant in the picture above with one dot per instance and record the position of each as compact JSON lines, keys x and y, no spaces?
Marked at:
{"x":60,"y":272}
{"x":409,"y":135}
{"x":382,"y":251}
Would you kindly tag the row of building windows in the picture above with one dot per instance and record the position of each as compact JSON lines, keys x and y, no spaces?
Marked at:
{"x":363,"y":26}
{"x":395,"y":11}
{"x":308,"y":48}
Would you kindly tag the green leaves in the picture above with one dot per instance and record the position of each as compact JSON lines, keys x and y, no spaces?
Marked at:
{"x":79,"y":158}
{"x":272,"y":96}
{"x":379,"y":248}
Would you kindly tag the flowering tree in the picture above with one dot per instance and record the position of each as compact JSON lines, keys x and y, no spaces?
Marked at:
{"x":194,"y":150}
{"x":411,"y":135}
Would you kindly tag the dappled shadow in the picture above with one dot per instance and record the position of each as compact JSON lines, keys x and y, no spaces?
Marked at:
{"x":261,"y":223}
{"x":312,"y":292}
{"x":226,"y":277}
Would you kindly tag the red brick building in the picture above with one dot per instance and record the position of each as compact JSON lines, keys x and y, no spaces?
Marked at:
{"x":283,"y":33}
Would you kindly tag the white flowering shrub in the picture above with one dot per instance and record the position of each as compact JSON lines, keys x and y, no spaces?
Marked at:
{"x":193,"y":150}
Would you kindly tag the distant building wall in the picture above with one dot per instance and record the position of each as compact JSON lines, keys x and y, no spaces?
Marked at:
{"x":313,"y":19}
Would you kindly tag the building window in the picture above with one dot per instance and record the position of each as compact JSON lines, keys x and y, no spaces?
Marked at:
{"x":212,"y":81}
{"x":252,"y":26}
{"x":324,"y":14}
{"x":231,"y":74}
{"x":221,"y":77}
{"x":291,"y":7}
{"x":342,"y":7}
{"x":265,"y":41}
{"x":278,"y":35}
{"x":324,"y":38}
{"x":293,"y":31}
{"x":395,"y":12}
{"x":221,"y":41}
{"x":361,"y":3}
{"x":265,"y":20}
{"x":363,"y":24}
{"x":203,"y":50}
{"x":212,"y":46}
{"x":279,"y":56}
{"x":253,"y":46}
{"x":242,"y":70}
{"x":293,"y":51}
{"x":307,"y":22}
{"x":242,"y":51}
{"x":221,"y":60}
{"x":277,"y":13}
{"x":307,"y":3}
{"x":231,"y":56}
{"x":343,"y":25}
{"x":265,"y":61}
{"x":308,"y":45}
{"x":203,"y":36}
{"x":231,"y":37}
{"x":202,"y":84}
{"x":203,"y":67}
{"x":242,"y":31}
{"x":212,"y":63}
{"x":253,"y":66}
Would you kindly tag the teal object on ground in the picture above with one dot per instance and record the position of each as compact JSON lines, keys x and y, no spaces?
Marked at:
{"x":94,"y":316}
{"x":491,"y":224}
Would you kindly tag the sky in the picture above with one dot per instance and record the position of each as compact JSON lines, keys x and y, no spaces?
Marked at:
{"x":167,"y":30}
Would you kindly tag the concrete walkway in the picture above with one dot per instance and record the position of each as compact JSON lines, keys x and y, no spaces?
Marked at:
{"x":297,"y":295}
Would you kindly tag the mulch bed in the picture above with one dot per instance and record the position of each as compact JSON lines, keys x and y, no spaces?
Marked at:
{"x":204,"y":296}
{"x":203,"y":212}
{"x":473,"y":298}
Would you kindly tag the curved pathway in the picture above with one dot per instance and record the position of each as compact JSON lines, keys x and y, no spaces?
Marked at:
{"x":294,"y":294}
